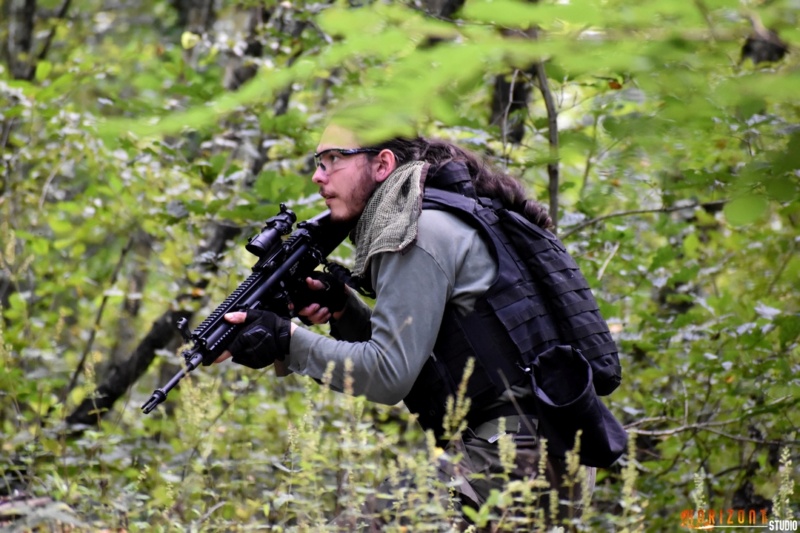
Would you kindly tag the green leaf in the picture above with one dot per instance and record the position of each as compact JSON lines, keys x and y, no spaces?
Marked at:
{"x":517,"y":14}
{"x":782,"y":188}
{"x":691,"y":244}
{"x":43,"y":69}
{"x":663,"y":257}
{"x":789,"y":159}
{"x":470,"y":513}
{"x":789,"y":327}
{"x":745,"y":210}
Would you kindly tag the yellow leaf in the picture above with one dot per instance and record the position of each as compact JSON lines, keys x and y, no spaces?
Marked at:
{"x":189,"y":40}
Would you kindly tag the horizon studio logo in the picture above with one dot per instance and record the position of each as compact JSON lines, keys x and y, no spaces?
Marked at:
{"x":734,"y":519}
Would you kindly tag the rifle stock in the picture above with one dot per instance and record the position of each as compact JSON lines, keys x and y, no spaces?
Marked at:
{"x":281,"y":270}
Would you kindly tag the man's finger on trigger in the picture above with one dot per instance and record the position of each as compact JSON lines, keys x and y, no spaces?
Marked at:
{"x":237,"y":317}
{"x":309,"y":310}
{"x":314,"y":284}
{"x":224,"y":357}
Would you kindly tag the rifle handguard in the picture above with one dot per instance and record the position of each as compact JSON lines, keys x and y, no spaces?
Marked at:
{"x":265,"y":338}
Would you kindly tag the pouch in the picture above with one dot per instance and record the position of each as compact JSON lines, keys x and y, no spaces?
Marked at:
{"x":567,"y":402}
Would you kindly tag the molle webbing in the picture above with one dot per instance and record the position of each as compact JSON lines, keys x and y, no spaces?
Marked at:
{"x":540,"y":297}
{"x":569,"y":298}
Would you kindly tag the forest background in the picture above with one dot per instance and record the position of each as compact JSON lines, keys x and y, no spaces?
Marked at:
{"x":142,"y":141}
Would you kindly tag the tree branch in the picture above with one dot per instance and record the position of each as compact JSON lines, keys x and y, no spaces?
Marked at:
{"x":782,"y":267}
{"x":121,"y":375}
{"x":98,"y":318}
{"x":552,"y":129}
{"x":707,"y":17}
{"x":507,"y":111}
{"x":707,"y":427}
{"x":125,"y":334}
{"x":22,"y":15}
{"x":124,"y":374}
{"x":711,"y":426}
{"x":591,"y":222}
{"x":60,"y":14}
{"x":588,"y":166}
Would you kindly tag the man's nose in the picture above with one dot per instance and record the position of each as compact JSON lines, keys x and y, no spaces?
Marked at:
{"x":320,"y":176}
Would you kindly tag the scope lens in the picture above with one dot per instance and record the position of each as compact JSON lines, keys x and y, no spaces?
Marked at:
{"x":260,"y":244}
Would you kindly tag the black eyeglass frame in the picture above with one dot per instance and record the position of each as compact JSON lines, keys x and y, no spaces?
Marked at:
{"x":342,"y":151}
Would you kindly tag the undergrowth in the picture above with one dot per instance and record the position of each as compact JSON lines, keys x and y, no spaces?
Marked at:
{"x":247,"y":451}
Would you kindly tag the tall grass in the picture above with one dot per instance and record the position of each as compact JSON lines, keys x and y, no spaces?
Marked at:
{"x":247,"y":451}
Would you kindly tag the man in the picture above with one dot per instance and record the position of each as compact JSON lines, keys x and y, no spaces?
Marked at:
{"x":429,"y":270}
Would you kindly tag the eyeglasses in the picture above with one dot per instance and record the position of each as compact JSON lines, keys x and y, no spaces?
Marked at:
{"x":326,"y":159}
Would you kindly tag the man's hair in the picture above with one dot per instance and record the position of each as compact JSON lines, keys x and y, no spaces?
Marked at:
{"x":487,"y":181}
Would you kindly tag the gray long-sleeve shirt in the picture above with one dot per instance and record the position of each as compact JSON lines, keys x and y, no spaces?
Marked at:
{"x":448,"y":263}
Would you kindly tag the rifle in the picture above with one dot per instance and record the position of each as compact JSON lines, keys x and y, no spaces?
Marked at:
{"x":277,"y":279}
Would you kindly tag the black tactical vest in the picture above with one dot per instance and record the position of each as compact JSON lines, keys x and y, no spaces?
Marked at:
{"x":518,"y":317}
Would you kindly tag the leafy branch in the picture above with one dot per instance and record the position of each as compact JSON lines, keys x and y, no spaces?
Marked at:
{"x":98,"y":318}
{"x":710,"y":426}
{"x":671,"y":209}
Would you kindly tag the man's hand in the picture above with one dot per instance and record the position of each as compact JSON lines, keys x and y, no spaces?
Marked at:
{"x":330,"y":295}
{"x":265,"y":338}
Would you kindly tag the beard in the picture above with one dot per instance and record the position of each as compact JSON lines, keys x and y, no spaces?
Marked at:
{"x":360,"y":193}
{"x":363,"y":190}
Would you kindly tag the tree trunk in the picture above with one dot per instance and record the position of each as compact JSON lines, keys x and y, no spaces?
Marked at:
{"x":125,"y":336}
{"x":195,"y":16}
{"x":21,"y":19}
{"x":510,"y":98}
{"x":442,"y":8}
{"x":122,"y":374}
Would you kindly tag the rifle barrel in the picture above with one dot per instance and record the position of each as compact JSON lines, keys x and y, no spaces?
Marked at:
{"x":159,"y":395}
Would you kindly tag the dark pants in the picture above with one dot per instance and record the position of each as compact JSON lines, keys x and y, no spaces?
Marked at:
{"x":473,"y":467}
{"x":531,"y":483}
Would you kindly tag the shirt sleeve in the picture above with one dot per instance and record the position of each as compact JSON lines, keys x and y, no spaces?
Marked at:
{"x":412,"y":290}
{"x":354,"y":324}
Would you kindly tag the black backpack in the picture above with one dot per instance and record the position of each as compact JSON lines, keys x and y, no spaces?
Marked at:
{"x":569,"y":366}
{"x":557,"y":276}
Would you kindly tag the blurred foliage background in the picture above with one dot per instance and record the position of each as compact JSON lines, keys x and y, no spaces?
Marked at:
{"x":142,"y":141}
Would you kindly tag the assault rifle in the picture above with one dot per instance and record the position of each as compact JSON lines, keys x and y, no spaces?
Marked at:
{"x":278,"y":279}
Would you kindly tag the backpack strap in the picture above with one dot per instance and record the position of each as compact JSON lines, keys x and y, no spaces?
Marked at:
{"x":454,"y":177}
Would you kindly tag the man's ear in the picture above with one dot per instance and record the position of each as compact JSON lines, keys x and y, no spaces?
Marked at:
{"x":383,"y":164}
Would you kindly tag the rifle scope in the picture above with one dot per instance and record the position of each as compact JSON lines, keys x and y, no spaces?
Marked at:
{"x":275,"y":227}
